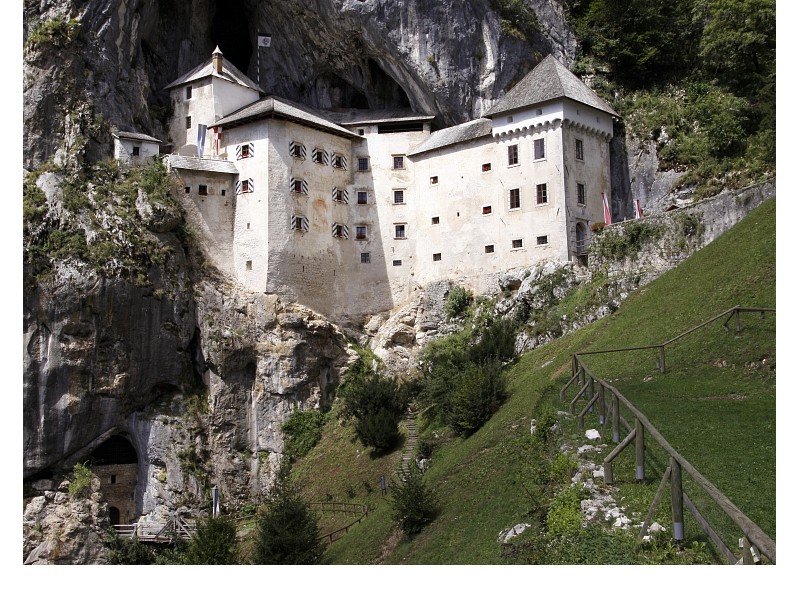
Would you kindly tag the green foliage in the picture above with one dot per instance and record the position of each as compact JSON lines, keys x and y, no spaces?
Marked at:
{"x":213,"y":543}
{"x":564,"y":516}
{"x":413,"y":504}
{"x":458,"y":299}
{"x":496,"y":341}
{"x":127,"y":550}
{"x":479,"y":391}
{"x":287,"y":530}
{"x":302,"y":430}
{"x":34,"y":201}
{"x":58,"y":31}
{"x":563,"y":465}
{"x":517,"y":19}
{"x":378,"y":430}
{"x":81,"y":480}
{"x":625,"y":240}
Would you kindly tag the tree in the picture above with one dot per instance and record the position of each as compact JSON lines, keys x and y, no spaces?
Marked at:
{"x":287,"y":531}
{"x":413,"y":504}
{"x":214,"y":543}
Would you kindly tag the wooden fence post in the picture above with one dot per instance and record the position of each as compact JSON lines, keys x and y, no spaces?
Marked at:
{"x":615,"y":419}
{"x":602,"y":405}
{"x":662,"y":359}
{"x":736,"y":317}
{"x":677,"y":499}
{"x":639,"y":451}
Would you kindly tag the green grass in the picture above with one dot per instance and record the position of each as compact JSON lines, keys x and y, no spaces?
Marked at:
{"x":721,"y":415}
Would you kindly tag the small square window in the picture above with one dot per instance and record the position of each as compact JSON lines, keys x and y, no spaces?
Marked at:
{"x":513,"y":199}
{"x":541,"y":240}
{"x":516,"y":243}
{"x":541,"y":193}
{"x":113,"y":479}
{"x":398,"y":197}
{"x":397,"y":263}
{"x":513,"y":155}
{"x":365,"y":260}
{"x":187,"y":190}
{"x":435,"y":180}
{"x":434,"y":220}
{"x":318,"y":156}
{"x":188,"y":92}
{"x":339,"y":162}
{"x":137,"y":150}
{"x":361,"y":232}
{"x":247,"y":186}
{"x":579,"y":149}
{"x":486,"y":167}
{"x":581,"y":193}
{"x":297,"y":150}
{"x":189,"y":122}
{"x":222,"y":192}
{"x":361,"y":197}
{"x":339,"y":231}
{"x":245,"y":148}
{"x":509,"y":119}
{"x":360,"y":132}
{"x":203,"y":190}
{"x":363,"y":163}
{"x":487,"y":210}
{"x":248,"y":265}
{"x":489,"y":249}
{"x":437,"y":257}
{"x":398,"y":162}
{"x":400,"y":231}
{"x":538,"y":149}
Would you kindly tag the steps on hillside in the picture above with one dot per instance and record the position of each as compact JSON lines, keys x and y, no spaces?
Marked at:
{"x":410,"y":423}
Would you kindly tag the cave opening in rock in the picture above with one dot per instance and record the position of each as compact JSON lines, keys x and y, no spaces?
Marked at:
{"x":387,"y":93}
{"x":116,"y":450}
{"x":230,"y":30}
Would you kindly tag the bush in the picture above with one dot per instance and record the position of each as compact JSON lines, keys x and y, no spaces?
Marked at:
{"x":413,"y":504}
{"x":127,"y":551}
{"x":497,"y":341}
{"x":458,"y":299}
{"x":81,"y":480}
{"x":302,"y":431}
{"x":214,"y":543}
{"x":379,"y":430}
{"x":479,"y":392}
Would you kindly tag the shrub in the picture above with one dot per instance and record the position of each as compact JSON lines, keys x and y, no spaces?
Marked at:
{"x":413,"y":504}
{"x":81,"y":480}
{"x":479,"y":392}
{"x":457,"y":301}
{"x":302,"y":431}
{"x":127,"y":550}
{"x":497,"y":341}
{"x":379,"y":430}
{"x":213,"y":543}
{"x":564,"y":516}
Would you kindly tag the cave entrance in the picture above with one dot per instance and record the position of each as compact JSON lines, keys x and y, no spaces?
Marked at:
{"x":230,"y":30}
{"x":116,"y":464}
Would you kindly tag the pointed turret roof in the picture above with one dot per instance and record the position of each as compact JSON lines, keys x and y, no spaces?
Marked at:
{"x":206,"y":69}
{"x":548,"y":81}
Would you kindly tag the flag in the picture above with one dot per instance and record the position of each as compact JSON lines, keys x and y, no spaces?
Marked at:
{"x":606,"y":210}
{"x":638,"y":209}
{"x":264,"y":40}
{"x":201,"y":139}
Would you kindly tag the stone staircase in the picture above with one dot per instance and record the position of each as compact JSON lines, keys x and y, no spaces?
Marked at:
{"x":407,"y":458}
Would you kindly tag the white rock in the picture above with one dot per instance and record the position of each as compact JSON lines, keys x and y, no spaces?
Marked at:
{"x":655,"y":528}
{"x":592,"y":434}
{"x":599,"y":473}
{"x":508,"y":534}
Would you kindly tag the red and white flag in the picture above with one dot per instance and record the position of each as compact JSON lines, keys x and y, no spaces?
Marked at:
{"x":638,"y":209}
{"x":606,"y":210}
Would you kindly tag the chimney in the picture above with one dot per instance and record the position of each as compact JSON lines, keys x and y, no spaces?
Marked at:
{"x":216,"y":60}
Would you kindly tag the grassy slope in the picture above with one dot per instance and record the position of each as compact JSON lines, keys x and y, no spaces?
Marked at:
{"x":483,"y":482}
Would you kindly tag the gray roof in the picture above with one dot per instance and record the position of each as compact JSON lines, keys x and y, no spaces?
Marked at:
{"x":229,"y":73}
{"x":283,"y":108}
{"x":193,"y":163}
{"x":360,"y":116}
{"x":132,"y":135}
{"x":548,"y":81}
{"x":453,"y":135}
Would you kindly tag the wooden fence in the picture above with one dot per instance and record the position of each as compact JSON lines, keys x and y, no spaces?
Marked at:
{"x":601,"y":395}
{"x":158,"y":532}
{"x":362,"y":510}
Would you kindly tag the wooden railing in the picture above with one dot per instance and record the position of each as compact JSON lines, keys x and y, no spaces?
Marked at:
{"x":601,"y":395}
{"x":341,"y":507}
{"x":159,"y":532}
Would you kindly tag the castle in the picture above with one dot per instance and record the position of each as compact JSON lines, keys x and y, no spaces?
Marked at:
{"x":350,"y":211}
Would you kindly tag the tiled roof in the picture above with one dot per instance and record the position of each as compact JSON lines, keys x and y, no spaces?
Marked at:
{"x":193,"y":163}
{"x":229,"y":73}
{"x":549,"y":80}
{"x":131,"y":135}
{"x":282,"y":108}
{"x":453,"y":135}
{"x":360,"y":116}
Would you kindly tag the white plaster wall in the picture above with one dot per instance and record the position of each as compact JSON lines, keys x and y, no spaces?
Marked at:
{"x":519,"y":122}
{"x":123,"y":151}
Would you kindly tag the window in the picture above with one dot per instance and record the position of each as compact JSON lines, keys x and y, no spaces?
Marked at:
{"x":113,"y":479}
{"x":361,"y":196}
{"x":513,"y":199}
{"x":203,"y":190}
{"x":188,"y":92}
{"x":516,"y":244}
{"x":244,"y":186}
{"x":538,"y":112}
{"x":541,"y":193}
{"x":297,"y":150}
{"x":298,"y":223}
{"x":137,"y":150}
{"x":397,"y":263}
{"x":340,"y":231}
{"x":437,"y":257}
{"x":487,"y":210}
{"x":513,"y":155}
{"x":189,"y":122}
{"x":541,"y":240}
{"x":488,"y":249}
{"x":486,"y":167}
{"x":365,"y":258}
{"x":244,"y":151}
{"x":509,"y":119}
{"x":298,"y":186}
{"x":579,"y":149}
{"x":400,"y":231}
{"x":248,"y":265}
{"x":222,"y":192}
{"x":319,"y":156}
{"x":361,"y":232}
{"x":538,"y":149}
{"x":339,"y":195}
{"x":360,"y":132}
{"x":581,"y":194}
{"x":363,"y":163}
{"x":434,"y":220}
{"x":398,"y":162}
{"x":434,"y":180}
{"x":187,"y":189}
{"x":339,"y":162}
{"x":398,"y":197}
